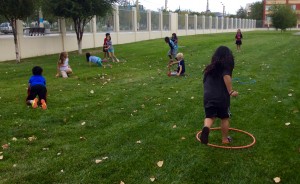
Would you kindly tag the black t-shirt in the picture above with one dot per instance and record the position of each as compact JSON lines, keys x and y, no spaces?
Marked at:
{"x":215,"y":91}
{"x":181,"y":63}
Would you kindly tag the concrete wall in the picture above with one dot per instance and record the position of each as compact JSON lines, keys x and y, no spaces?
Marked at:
{"x":32,"y":46}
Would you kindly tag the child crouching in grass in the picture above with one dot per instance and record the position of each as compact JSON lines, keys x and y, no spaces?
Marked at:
{"x":37,"y":88}
{"x":96,"y":60}
{"x":217,"y":92}
{"x":180,"y":66}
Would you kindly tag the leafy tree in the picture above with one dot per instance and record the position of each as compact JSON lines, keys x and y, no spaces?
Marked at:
{"x":283,"y":17}
{"x":2,"y":19}
{"x":257,"y":9}
{"x":13,"y":10}
{"x":81,"y":12}
{"x":241,"y":13}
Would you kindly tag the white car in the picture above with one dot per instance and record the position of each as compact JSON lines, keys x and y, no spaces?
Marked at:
{"x":5,"y":28}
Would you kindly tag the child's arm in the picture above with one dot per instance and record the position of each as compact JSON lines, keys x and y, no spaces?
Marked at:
{"x":227,"y":81}
{"x":173,"y":63}
{"x":180,"y":70}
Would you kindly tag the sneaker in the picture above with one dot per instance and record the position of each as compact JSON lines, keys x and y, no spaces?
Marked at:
{"x":44,"y":105}
{"x":204,"y":135}
{"x":35,"y":103}
{"x":229,"y":139}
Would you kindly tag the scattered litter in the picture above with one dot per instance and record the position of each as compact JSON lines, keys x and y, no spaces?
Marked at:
{"x":160,"y":163}
{"x":277,"y":180}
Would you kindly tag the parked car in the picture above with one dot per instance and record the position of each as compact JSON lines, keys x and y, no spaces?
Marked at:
{"x":5,"y":28}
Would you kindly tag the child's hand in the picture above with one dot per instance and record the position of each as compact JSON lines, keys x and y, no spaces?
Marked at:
{"x":234,"y":93}
{"x":57,"y":75}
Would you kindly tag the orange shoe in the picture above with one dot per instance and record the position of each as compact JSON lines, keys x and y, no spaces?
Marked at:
{"x":35,"y":103}
{"x":44,"y":105}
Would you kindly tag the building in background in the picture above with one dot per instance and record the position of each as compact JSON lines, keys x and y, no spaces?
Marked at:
{"x":294,"y":4}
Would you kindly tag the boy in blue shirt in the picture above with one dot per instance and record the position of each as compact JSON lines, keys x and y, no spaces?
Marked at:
{"x":96,"y":60}
{"x":173,"y":48}
{"x":37,"y":87}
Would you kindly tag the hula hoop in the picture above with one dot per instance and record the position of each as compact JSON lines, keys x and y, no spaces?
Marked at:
{"x":230,"y":147}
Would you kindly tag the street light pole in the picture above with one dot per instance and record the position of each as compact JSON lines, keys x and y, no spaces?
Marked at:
{"x":223,"y":9}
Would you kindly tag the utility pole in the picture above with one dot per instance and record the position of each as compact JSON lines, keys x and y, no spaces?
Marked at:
{"x":166,"y":5}
{"x":223,"y":9}
{"x":207,"y":7}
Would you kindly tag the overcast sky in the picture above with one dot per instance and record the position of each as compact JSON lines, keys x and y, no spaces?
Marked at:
{"x":231,"y":6}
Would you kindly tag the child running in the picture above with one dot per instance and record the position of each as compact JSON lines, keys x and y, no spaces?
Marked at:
{"x":37,"y":88}
{"x":173,"y":49}
{"x":96,"y":60}
{"x":217,"y":92}
{"x":238,"y":40}
{"x":111,"y":50}
{"x":181,"y":67}
{"x":63,"y":67}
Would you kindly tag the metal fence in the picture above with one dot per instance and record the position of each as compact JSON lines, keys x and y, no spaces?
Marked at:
{"x":126,"y":20}
{"x":142,"y":21}
{"x":105,"y":24}
{"x":191,"y":22}
{"x":155,"y":21}
{"x":166,"y":21}
{"x":181,"y":21}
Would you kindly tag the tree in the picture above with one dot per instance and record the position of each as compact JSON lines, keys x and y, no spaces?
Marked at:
{"x":257,"y":9}
{"x":81,"y":12}
{"x":241,"y":13}
{"x":14,"y":10}
{"x":283,"y":17}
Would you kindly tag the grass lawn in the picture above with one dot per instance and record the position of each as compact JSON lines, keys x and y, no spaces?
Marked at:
{"x":128,"y":122}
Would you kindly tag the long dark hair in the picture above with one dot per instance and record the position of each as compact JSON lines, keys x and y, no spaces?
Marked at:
{"x":220,"y":61}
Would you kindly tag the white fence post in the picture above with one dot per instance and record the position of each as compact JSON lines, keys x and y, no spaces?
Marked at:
{"x":94,"y":29}
{"x":195,"y":23}
{"x":116,"y":19}
{"x":210,"y":23}
{"x":216,"y":23}
{"x":186,"y":20}
{"x":63,"y":32}
{"x":134,"y":19}
{"x":203,"y":22}
{"x":222,"y":24}
{"x":227,"y":23}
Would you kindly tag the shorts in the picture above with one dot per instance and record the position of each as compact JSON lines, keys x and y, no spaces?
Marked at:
{"x":37,"y":90}
{"x":217,"y":112}
{"x":99,"y":63}
{"x":64,"y":73}
{"x":110,"y":50}
{"x":174,"y":53}
{"x":238,"y":42}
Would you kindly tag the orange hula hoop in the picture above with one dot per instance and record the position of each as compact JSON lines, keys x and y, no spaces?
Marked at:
{"x":230,"y":147}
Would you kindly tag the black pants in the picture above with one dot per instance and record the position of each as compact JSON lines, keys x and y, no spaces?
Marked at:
{"x":37,"y":90}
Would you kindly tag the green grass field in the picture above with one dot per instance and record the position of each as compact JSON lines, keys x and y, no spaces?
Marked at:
{"x":128,"y":122}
